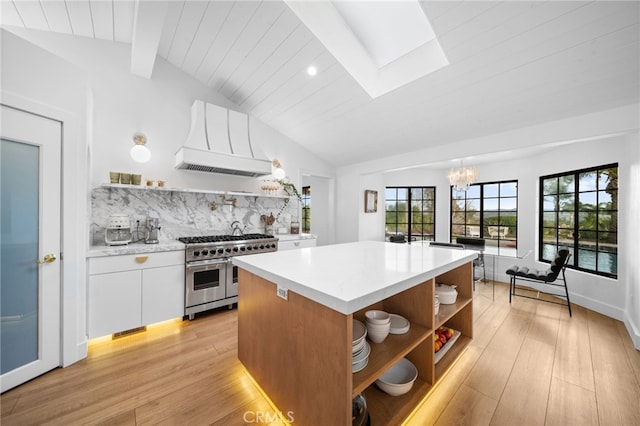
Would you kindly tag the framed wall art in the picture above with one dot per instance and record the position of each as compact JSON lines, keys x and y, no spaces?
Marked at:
{"x":370,"y":201}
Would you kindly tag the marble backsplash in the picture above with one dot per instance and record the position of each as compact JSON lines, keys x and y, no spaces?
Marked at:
{"x":186,"y":213}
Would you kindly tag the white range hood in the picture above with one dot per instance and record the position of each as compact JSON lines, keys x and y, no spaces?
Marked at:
{"x":220,"y":142}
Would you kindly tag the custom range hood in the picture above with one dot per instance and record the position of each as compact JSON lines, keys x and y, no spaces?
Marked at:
{"x":219,"y":142}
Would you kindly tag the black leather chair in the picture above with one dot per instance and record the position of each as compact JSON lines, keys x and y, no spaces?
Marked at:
{"x":547,"y":276}
{"x":397,"y":239}
{"x":446,"y":245}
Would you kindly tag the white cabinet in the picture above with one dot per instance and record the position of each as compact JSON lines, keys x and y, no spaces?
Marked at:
{"x":114,"y":302}
{"x":129,"y":291}
{"x":162,"y":299}
{"x":296,"y":244}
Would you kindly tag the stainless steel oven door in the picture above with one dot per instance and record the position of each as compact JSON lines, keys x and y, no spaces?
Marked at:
{"x":206,"y":281}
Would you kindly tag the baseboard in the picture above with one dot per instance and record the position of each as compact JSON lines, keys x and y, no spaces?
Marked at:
{"x":633,"y":330}
{"x":598,"y":306}
{"x":82,"y":349}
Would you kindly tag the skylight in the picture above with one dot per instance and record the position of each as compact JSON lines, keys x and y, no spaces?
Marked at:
{"x":386,"y":30}
{"x":383,"y":45}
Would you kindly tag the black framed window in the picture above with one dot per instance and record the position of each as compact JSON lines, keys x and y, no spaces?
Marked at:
{"x":579,"y":210}
{"x":410,"y":212}
{"x":489,"y":211}
{"x":306,"y":209}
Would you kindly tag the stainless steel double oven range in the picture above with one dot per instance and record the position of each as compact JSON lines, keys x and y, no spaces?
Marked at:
{"x":211,"y":280}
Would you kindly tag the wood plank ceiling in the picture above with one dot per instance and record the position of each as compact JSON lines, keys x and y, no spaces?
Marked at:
{"x":512,"y":64}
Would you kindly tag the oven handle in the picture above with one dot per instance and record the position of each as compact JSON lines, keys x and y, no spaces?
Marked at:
{"x":204,"y":263}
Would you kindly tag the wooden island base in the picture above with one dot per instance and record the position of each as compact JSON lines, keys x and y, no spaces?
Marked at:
{"x":299,"y":351}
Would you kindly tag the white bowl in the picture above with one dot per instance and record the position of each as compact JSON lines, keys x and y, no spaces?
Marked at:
{"x":399,"y":324}
{"x":398,"y":379}
{"x":377,"y":327}
{"x":377,"y":317}
{"x":364,"y":354}
{"x":359,"y":332}
{"x":378,"y":334}
{"x":359,"y":365}
{"x":447,"y":294}
{"x":358,"y":347}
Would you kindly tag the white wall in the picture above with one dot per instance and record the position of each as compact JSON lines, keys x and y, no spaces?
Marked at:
{"x":617,"y":298}
{"x":37,"y":81}
{"x":631,"y":223}
{"x":160,"y":108}
{"x":92,"y":83}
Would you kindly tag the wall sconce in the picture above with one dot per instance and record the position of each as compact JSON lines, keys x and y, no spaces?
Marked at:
{"x":139,"y":152}
{"x":277,"y":171}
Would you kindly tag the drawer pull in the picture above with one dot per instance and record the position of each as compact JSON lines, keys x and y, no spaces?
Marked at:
{"x":142,"y":259}
{"x":297,"y":243}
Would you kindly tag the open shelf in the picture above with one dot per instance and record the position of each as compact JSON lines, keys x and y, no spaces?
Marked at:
{"x":385,"y":409}
{"x":384,"y":355}
{"x":197,"y":191}
{"x":452,"y":355}
{"x":446,"y":312}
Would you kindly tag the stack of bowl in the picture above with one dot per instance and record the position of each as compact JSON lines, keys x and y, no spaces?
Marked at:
{"x":360,"y":349}
{"x":378,"y":325}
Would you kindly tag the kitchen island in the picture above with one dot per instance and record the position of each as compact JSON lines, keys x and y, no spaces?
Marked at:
{"x":295,"y":316}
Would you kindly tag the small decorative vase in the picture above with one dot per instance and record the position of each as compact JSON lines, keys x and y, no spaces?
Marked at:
{"x":268,"y":229}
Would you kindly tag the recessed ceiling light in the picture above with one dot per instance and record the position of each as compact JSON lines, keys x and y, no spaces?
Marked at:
{"x":312,"y":70}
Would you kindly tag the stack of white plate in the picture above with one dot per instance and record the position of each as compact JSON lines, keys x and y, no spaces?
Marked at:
{"x":360,"y":348}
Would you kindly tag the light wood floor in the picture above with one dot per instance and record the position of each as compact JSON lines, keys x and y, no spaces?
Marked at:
{"x":529,"y":364}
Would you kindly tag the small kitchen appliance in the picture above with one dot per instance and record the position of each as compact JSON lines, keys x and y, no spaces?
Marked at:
{"x":118,"y":231}
{"x":151,"y":230}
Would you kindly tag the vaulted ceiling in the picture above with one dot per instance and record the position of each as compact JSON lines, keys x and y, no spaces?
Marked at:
{"x":511,"y":64}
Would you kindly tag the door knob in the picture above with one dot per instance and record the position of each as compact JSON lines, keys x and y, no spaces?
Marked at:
{"x":48,"y":258}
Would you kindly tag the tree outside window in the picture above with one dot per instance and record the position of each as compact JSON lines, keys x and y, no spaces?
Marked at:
{"x":579,"y":210}
{"x":410,"y":213}
{"x":488,"y":211}
{"x":306,"y":209}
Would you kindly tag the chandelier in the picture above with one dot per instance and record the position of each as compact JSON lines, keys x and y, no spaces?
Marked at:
{"x":462,"y":178}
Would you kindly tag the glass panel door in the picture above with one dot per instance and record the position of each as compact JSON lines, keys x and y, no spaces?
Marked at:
{"x":19,"y":177}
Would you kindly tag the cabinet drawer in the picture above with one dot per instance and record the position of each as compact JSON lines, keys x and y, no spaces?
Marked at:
{"x":129,"y":262}
{"x":296,"y":244}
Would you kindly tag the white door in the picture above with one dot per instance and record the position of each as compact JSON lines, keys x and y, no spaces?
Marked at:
{"x":30,"y":165}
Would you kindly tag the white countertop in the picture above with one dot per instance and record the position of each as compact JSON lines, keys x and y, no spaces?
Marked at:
{"x":348,"y":277}
{"x":134,"y":248}
{"x":169,"y":245}
{"x":295,"y":237}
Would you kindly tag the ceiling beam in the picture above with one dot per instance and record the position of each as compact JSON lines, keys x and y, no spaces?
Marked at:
{"x":147,"y":28}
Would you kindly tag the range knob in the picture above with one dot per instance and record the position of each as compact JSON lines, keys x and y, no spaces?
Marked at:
{"x":235,"y":249}
{"x":205,"y":252}
{"x":249,"y":248}
{"x":261,"y":246}
{"x":242,"y":248}
{"x":228,"y":250}
{"x":220,"y":251}
{"x":196,"y":253}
